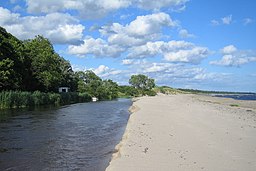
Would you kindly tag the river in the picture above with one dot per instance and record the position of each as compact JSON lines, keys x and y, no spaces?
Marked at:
{"x":74,"y":137}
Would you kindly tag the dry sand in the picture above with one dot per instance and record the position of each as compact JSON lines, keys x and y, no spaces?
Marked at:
{"x":188,"y":132}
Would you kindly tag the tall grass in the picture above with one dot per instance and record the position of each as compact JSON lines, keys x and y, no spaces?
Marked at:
{"x":18,"y":99}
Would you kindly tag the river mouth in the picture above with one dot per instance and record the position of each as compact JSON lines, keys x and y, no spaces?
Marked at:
{"x":74,"y":137}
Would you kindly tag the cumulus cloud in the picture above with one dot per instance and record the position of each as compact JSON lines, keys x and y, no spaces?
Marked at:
{"x":123,"y":38}
{"x":229,"y":49}
{"x":233,"y":60}
{"x":139,"y":31}
{"x":87,"y":9}
{"x":169,"y":73}
{"x":183,"y":33}
{"x":159,"y":47}
{"x":194,"y":55}
{"x":97,"y":47}
{"x":59,"y":28}
{"x":105,"y":72}
{"x":99,"y":8}
{"x":233,"y":57}
{"x":172,"y":51}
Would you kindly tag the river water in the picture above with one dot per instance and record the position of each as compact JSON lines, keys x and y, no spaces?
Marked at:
{"x":74,"y":137}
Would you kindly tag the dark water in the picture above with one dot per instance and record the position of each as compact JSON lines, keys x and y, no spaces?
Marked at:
{"x":76,"y":137}
{"x":239,"y":96}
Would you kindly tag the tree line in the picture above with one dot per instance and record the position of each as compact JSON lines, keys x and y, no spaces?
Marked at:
{"x":33,"y":65}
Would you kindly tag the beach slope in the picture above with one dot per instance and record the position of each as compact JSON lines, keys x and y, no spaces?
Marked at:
{"x":188,"y":132}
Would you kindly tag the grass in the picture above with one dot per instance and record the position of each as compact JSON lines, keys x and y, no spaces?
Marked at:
{"x":234,"y":105}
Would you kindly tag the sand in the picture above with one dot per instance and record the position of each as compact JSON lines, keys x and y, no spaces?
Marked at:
{"x":188,"y":132}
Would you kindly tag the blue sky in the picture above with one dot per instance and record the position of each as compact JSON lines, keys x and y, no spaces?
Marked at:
{"x":197,"y":44}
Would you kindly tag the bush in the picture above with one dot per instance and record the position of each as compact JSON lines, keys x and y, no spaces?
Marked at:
{"x":150,"y":93}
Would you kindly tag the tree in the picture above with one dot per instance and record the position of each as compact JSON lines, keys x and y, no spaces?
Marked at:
{"x":11,"y":61}
{"x":88,"y":82}
{"x":68,"y":77}
{"x":45,"y":64}
{"x":92,"y":84}
{"x":142,"y":82}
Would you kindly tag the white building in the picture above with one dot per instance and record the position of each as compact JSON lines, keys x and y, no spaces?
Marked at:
{"x":63,"y":89}
{"x":94,"y":99}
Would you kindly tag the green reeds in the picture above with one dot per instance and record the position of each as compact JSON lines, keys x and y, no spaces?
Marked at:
{"x":18,"y":99}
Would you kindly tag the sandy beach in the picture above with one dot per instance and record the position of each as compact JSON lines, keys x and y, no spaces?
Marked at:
{"x":188,"y":132}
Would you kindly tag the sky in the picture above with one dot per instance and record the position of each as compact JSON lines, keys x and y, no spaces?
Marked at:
{"x":195,"y":44}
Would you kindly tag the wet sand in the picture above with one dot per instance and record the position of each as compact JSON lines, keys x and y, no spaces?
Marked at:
{"x":188,"y":132}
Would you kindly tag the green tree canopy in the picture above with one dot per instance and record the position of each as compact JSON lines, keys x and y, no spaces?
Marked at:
{"x":92,"y":84}
{"x":142,"y":82}
{"x":11,"y":61}
{"x":32,"y":65}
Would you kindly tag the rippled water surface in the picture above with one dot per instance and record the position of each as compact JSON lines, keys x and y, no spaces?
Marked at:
{"x":75,"y":137}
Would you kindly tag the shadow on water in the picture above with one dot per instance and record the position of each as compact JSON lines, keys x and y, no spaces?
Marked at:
{"x":74,"y":137}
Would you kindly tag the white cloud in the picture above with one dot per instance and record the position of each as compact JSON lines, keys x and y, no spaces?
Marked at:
{"x":139,"y":31}
{"x":101,"y":69}
{"x":183,"y":33}
{"x":215,"y":22}
{"x":77,"y":68}
{"x":232,"y":60}
{"x":175,"y":74}
{"x":87,"y":9}
{"x":227,"y":20}
{"x":105,"y":72}
{"x":8,"y":18}
{"x":247,"y":21}
{"x":194,"y":55}
{"x":99,"y":8}
{"x":234,"y":57}
{"x":172,"y":51}
{"x":224,"y":20}
{"x":157,"y":5}
{"x":97,"y":47}
{"x":127,"y":61}
{"x":157,"y":48}
{"x":59,"y":28}
{"x":229,"y":49}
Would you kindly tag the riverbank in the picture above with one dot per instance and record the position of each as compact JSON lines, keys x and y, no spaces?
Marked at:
{"x":188,"y":132}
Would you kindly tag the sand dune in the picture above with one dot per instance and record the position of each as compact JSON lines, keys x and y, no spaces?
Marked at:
{"x":188,"y":132}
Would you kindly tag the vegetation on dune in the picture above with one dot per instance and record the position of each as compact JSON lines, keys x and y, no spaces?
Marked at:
{"x":167,"y":90}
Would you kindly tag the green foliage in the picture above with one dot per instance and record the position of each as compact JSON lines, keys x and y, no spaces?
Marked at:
{"x":142,"y":83}
{"x":18,"y":99}
{"x":90,"y":83}
{"x":128,"y":91}
{"x":167,"y":90}
{"x":150,"y":92}
{"x":234,"y":105}
{"x":11,"y":61}
{"x":32,"y":65}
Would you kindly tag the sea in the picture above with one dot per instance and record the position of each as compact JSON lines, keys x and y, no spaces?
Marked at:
{"x":251,"y":96}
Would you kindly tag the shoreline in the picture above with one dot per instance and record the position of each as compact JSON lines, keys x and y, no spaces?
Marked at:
{"x":149,"y":140}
